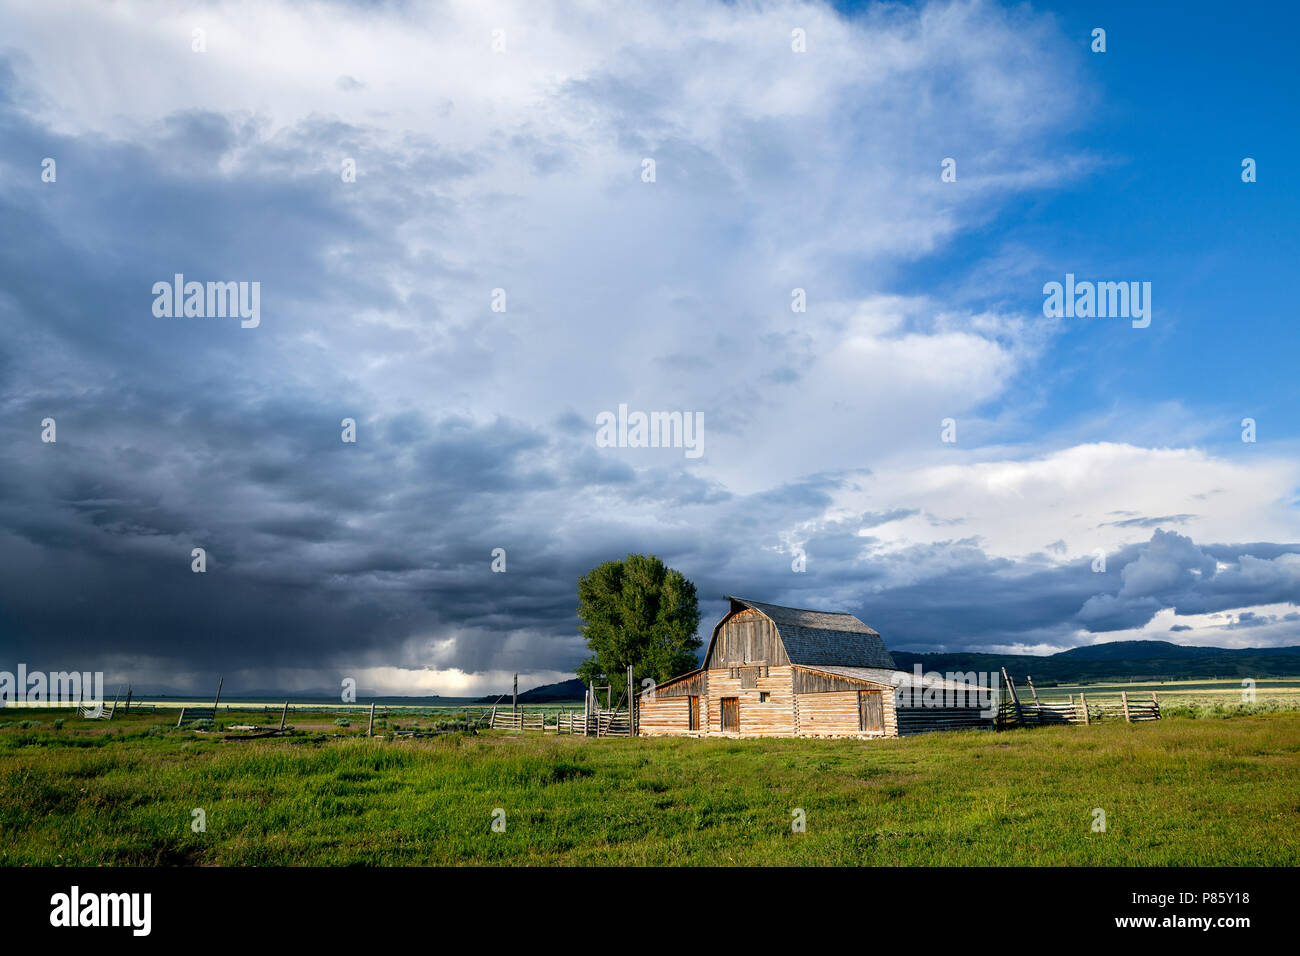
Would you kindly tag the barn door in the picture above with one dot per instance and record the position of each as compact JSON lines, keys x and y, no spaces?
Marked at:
{"x":694,"y":717}
{"x":871,"y":711}
{"x":730,"y":714}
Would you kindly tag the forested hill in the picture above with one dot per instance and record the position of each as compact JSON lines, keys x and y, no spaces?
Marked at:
{"x":1121,"y":660}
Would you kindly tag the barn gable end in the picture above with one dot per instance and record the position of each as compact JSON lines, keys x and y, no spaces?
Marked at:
{"x":744,"y":636}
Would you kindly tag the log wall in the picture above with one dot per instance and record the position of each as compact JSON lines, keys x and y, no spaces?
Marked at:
{"x":836,"y":715}
{"x":664,"y":715}
{"x":775,"y":718}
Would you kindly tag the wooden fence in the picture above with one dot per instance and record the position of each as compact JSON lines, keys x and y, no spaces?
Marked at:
{"x":616,"y":719}
{"x":191,"y":714}
{"x":98,"y":712}
{"x":1016,"y":711}
{"x":600,"y":723}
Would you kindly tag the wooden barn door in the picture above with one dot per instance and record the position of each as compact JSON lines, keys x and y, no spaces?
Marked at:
{"x":871,"y":711}
{"x":731,"y":714}
{"x":694,"y":717}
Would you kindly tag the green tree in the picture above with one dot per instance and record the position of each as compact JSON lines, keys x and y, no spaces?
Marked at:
{"x":641,"y":612}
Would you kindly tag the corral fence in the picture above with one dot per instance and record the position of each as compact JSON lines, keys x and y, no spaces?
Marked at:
{"x":597,"y":723}
{"x":616,"y":719}
{"x":1017,"y":711}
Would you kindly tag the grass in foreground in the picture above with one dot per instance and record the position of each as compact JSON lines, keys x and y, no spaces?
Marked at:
{"x":1175,"y":792}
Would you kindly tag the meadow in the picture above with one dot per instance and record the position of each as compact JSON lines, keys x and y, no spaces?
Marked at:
{"x":1175,"y":792}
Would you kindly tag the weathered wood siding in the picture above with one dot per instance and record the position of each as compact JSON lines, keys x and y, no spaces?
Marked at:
{"x":772,"y":718}
{"x":815,"y":682}
{"x":664,"y":715}
{"x":746,"y":637}
{"x":693,"y":685}
{"x":837,"y":714}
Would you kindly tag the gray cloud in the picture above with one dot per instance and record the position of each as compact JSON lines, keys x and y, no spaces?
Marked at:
{"x":475,"y":430}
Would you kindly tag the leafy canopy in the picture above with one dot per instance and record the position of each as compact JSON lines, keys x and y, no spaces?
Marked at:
{"x":641,"y":612}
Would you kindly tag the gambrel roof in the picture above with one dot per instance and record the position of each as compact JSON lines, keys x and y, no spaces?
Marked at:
{"x":821,"y":637}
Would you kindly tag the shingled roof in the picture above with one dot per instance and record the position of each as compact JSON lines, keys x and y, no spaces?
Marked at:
{"x":822,"y":637}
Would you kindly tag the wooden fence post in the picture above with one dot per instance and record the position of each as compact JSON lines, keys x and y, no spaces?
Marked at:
{"x":631,"y":705}
{"x":1015,"y":698}
{"x":1123,"y":695}
{"x":1084,"y":700}
{"x":181,"y":718}
{"x":370,"y":730}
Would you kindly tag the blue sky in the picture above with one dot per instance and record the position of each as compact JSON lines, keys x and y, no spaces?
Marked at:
{"x":522,"y":169}
{"x":1181,"y":97}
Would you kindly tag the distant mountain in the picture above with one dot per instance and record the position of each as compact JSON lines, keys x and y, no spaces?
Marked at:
{"x":1137,"y":650}
{"x":548,"y":693}
{"x":1121,"y":660}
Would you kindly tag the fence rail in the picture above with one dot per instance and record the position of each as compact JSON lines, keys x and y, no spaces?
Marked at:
{"x":1016,"y":711}
{"x":191,"y":714}
{"x":602,"y":723}
{"x":98,"y":712}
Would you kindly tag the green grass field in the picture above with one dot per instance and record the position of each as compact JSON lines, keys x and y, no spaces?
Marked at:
{"x":1175,"y":792}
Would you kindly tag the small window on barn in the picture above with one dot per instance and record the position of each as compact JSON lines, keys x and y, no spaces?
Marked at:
{"x":764,"y":697}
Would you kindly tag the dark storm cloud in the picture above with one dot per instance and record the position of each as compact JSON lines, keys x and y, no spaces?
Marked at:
{"x":173,"y":434}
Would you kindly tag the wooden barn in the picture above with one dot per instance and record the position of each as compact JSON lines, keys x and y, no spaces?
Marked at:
{"x":773,"y":671}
